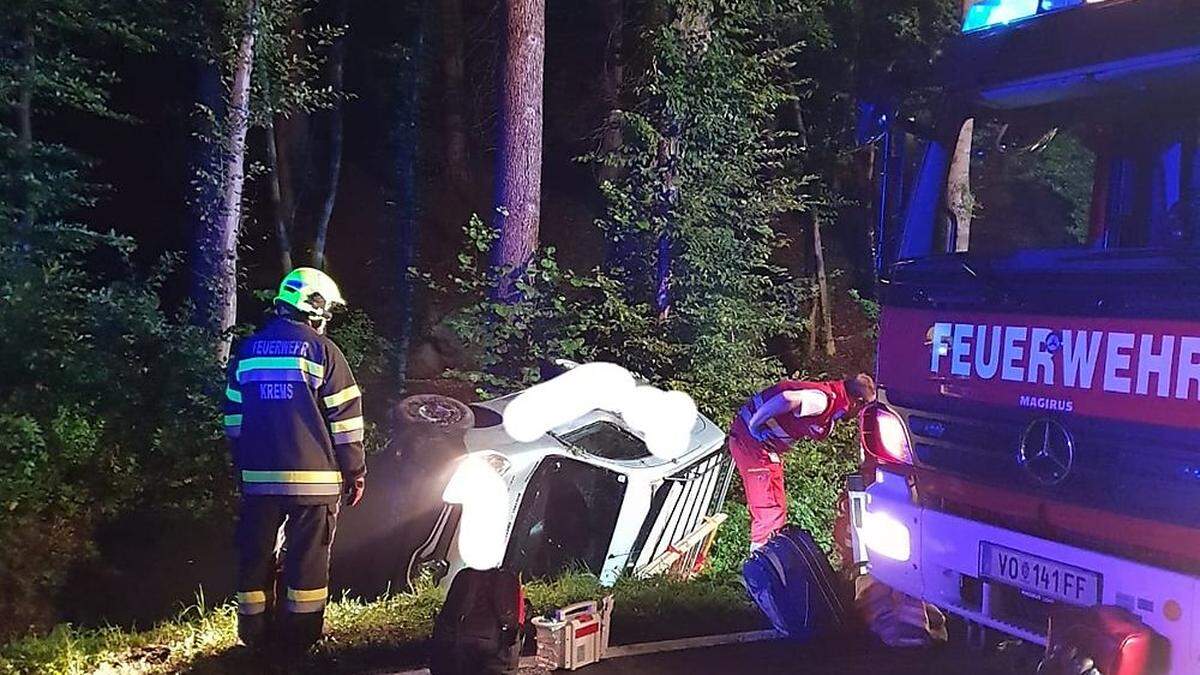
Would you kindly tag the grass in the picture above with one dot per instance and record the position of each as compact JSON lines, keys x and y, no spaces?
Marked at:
{"x":391,"y":631}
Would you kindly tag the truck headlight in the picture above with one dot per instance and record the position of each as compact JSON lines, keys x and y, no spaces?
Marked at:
{"x":883,"y":534}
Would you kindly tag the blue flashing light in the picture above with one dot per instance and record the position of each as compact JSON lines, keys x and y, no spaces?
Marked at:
{"x":992,"y":13}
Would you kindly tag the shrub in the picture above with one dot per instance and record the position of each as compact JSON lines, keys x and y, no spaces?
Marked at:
{"x":108,"y":402}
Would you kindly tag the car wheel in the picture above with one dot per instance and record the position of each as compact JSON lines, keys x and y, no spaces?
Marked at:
{"x":434,"y":412}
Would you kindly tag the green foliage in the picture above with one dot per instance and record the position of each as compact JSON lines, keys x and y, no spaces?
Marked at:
{"x":367,"y":351}
{"x":1067,"y":167}
{"x":814,"y":476}
{"x":704,"y":177}
{"x":288,"y":58}
{"x":513,"y":340}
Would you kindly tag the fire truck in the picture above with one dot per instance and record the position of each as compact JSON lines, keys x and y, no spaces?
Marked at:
{"x":1037,"y":439}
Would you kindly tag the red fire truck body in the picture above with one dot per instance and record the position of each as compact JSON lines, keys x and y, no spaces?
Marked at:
{"x":1037,"y":440}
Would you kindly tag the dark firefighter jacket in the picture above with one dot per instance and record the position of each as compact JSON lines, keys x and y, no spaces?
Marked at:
{"x":293,"y":414}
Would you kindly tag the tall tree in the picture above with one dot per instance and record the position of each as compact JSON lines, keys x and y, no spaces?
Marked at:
{"x":219,"y":253}
{"x":53,"y":60}
{"x":519,"y":162}
{"x":408,"y":65}
{"x":958,"y":185}
{"x":280,"y":210}
{"x":959,"y":197}
{"x":337,"y":60}
{"x":612,"y":79}
{"x":457,"y":165}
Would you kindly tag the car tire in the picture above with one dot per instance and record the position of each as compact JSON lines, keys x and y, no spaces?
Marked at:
{"x":434,"y":413}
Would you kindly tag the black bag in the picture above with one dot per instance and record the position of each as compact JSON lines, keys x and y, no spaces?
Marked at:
{"x":478,"y":630}
{"x":792,"y":582}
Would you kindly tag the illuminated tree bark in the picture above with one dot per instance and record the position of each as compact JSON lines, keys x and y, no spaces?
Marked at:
{"x":337,"y":62}
{"x":958,"y":188}
{"x":519,"y":162}
{"x":218,"y":240}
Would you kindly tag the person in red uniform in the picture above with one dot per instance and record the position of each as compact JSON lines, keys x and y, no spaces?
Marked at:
{"x":767,"y":426}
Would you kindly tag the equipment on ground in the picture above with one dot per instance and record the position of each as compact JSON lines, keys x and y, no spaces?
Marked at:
{"x":574,"y":636}
{"x":897,"y":619}
{"x":791,"y":581}
{"x":479,"y":629}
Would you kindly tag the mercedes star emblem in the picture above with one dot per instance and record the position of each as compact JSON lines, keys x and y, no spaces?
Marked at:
{"x":1047,"y":451}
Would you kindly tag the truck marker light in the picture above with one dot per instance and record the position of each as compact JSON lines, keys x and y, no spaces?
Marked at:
{"x":886,"y":536}
{"x":1172,"y":610}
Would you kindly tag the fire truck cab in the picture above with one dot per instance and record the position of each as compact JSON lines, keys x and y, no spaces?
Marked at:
{"x":1037,"y":440}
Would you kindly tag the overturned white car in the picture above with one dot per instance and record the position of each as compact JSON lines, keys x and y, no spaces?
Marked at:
{"x":584,"y":494}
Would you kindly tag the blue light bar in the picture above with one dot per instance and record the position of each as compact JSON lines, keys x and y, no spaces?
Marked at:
{"x":992,"y":13}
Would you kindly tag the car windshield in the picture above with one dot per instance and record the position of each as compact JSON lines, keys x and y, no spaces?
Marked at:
{"x":566,"y":519}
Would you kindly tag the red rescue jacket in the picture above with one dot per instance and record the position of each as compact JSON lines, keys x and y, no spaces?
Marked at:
{"x":789,"y":428}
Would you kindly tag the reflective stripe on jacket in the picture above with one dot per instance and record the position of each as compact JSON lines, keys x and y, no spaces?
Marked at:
{"x":293,"y":413}
{"x":784,"y":430}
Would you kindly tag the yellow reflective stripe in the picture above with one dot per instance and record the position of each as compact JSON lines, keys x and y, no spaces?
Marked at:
{"x":291,"y":476}
{"x":352,"y":424}
{"x":252,"y":597}
{"x":308,"y":596}
{"x":348,"y":394}
{"x":233,"y":394}
{"x":282,"y":363}
{"x":233,"y":420}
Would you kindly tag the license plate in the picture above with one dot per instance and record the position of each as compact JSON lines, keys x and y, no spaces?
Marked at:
{"x":1045,"y":578}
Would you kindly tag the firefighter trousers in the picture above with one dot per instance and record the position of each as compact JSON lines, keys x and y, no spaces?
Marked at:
{"x":762,"y":476}
{"x":283,"y":571}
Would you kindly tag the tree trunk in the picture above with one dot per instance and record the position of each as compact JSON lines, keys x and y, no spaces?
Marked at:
{"x":519,"y":162}
{"x":958,"y":188}
{"x":457,"y":162}
{"x":405,"y":142}
{"x":25,"y":128}
{"x":278,"y":208}
{"x":225,"y":235}
{"x":337,"y":60}
{"x":664,"y":212}
{"x":823,"y":288}
{"x":204,"y":208}
{"x":611,"y":81}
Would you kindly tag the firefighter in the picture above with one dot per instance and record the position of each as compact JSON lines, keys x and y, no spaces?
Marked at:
{"x":294,"y":416}
{"x":766,"y":427}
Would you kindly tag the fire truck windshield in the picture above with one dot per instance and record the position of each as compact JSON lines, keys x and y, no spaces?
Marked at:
{"x":1025,"y":181}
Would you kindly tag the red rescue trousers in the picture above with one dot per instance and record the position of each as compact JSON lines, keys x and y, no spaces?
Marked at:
{"x":762,"y":475}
